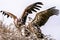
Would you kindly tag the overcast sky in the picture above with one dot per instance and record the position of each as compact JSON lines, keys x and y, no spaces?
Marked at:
{"x":16,"y":7}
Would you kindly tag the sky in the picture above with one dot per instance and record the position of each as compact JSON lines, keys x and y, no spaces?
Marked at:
{"x":17,"y":7}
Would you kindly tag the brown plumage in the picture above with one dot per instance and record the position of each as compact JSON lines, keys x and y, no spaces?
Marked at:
{"x":39,"y":20}
{"x":27,"y":11}
{"x":9,"y":14}
{"x":42,"y":17}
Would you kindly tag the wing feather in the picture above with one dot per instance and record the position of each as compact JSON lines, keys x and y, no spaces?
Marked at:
{"x":42,"y":17}
{"x":29,"y":10}
{"x":9,"y":14}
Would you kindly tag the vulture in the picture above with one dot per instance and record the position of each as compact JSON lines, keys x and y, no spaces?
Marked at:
{"x":40,"y":19}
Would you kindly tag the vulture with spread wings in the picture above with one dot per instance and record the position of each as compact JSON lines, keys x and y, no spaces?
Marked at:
{"x":39,"y":20}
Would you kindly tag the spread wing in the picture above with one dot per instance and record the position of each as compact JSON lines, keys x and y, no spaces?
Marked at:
{"x":29,"y":10}
{"x":42,"y":17}
{"x":9,"y":14}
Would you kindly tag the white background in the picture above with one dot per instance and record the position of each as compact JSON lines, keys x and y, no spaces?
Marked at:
{"x":52,"y":27}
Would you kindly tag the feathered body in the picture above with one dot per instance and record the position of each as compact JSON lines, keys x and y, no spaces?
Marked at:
{"x":39,"y":20}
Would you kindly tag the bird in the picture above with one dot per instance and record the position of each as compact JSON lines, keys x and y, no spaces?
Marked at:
{"x":28,"y":10}
{"x":40,"y":19}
